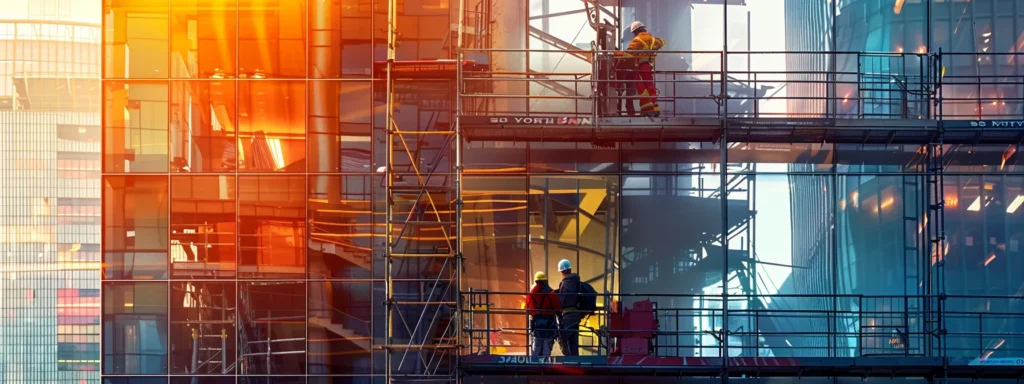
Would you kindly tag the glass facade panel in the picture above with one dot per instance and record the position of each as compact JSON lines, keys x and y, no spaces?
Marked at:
{"x":339,"y":45}
{"x":339,"y":315}
{"x":202,"y":327}
{"x":496,"y":244}
{"x":272,"y":229}
{"x":135,"y":227}
{"x":272,"y":126}
{"x":340,"y":227}
{"x":203,"y":227}
{"x":339,"y":126}
{"x":272,"y":39}
{"x":204,"y":38}
{"x":203,"y":126}
{"x":272,"y":327}
{"x":135,"y":120}
{"x":136,"y":39}
{"x":135,"y":328}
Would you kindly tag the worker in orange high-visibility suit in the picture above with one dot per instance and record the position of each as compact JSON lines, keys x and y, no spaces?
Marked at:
{"x":641,"y":48}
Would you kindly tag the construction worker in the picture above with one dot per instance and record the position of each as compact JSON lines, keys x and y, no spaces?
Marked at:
{"x":568,"y":297}
{"x":543,"y":307}
{"x":625,"y":84}
{"x":641,"y":48}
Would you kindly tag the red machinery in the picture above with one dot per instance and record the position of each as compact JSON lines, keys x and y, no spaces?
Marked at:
{"x":633,"y":329}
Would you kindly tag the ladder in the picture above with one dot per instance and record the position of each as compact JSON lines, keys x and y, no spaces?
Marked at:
{"x":914,"y":237}
{"x":935,"y":284}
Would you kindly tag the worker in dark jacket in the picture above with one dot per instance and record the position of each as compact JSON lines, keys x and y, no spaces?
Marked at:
{"x":543,"y":307}
{"x":568,"y":297}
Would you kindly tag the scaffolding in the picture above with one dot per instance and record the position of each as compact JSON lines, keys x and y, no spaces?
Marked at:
{"x":894,"y":99}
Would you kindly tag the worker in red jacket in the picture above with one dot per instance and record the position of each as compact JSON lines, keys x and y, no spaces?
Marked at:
{"x":642,"y":48}
{"x":543,"y":307}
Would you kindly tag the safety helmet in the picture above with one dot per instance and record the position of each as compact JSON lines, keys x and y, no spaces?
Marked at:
{"x":635,"y":26}
{"x":540,"y":276}
{"x":564,"y":265}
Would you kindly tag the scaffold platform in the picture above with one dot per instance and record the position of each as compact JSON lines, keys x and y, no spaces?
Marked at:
{"x":749,"y":130}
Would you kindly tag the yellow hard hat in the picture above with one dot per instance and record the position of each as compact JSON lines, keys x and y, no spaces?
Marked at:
{"x":540,"y":276}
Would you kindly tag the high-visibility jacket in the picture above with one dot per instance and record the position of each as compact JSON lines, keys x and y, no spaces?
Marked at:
{"x":644,"y":41}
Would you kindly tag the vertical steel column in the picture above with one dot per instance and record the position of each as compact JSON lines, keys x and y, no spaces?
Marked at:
{"x":723,"y":180}
{"x":389,"y":193}
{"x":457,"y":317}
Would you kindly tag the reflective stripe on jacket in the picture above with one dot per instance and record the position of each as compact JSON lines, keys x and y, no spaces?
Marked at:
{"x":645,"y":42}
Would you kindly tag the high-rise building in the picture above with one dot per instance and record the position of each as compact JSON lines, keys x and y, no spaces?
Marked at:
{"x":361,"y":191}
{"x":49,"y":192}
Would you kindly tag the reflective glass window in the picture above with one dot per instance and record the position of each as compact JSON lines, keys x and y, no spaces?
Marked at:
{"x":203,"y":126}
{"x":272,"y":327}
{"x":272,"y":226}
{"x":272,"y":126}
{"x":134,"y":328}
{"x":339,"y":44}
{"x":135,"y":227}
{"x":339,"y":126}
{"x":340,"y":226}
{"x":135,"y":119}
{"x":203,"y":38}
{"x":202,"y":328}
{"x":203,"y":226}
{"x":339,"y":315}
{"x":136,"y":39}
{"x":271,"y":39}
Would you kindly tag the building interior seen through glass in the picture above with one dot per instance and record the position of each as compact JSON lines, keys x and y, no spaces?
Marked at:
{"x":262,"y":218}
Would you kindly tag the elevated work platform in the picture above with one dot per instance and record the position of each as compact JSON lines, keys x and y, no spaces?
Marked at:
{"x":748,"y":130}
{"x":895,"y":106}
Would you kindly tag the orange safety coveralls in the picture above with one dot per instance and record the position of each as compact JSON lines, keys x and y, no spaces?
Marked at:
{"x":644,"y":41}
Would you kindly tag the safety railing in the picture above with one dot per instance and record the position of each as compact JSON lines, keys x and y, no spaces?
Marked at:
{"x":777,"y":325}
{"x":709,"y":84}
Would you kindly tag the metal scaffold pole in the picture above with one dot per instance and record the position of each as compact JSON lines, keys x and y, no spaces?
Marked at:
{"x":389,"y":180}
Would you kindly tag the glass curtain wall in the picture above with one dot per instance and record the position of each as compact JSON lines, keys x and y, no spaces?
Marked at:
{"x":245,"y":218}
{"x":243,"y":212}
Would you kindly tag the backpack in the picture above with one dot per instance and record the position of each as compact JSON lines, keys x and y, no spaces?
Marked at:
{"x":586,"y":298}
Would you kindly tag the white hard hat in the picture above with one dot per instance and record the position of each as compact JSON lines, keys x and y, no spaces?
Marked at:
{"x":564,"y":265}
{"x":635,"y":26}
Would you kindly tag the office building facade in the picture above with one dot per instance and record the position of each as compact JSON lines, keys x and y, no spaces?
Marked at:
{"x":49,"y":193}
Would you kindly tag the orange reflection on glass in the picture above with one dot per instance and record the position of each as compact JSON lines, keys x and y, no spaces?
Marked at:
{"x":203,"y":38}
{"x":135,"y":40}
{"x":271,"y":39}
{"x":272,"y":226}
{"x":339,"y":133}
{"x":135,"y":126}
{"x":339,"y":41}
{"x":135,"y":227}
{"x":340,"y":226}
{"x":203,"y":126}
{"x":202,"y":226}
{"x":271,"y":131}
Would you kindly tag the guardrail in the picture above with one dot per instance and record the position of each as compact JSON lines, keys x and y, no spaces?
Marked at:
{"x":768,"y":325}
{"x":710,"y":84}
